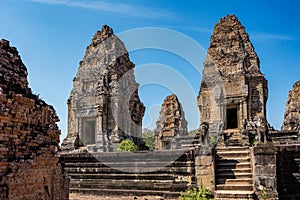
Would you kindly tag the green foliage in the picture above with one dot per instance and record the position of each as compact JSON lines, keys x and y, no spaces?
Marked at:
{"x":148,"y":137}
{"x":127,"y":145}
{"x":192,"y":132}
{"x":212,"y":141}
{"x":264,"y":195}
{"x":197,"y":194}
{"x":253,"y":140}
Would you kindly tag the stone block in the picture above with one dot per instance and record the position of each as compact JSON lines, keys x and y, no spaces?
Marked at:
{"x":206,"y":181}
{"x":204,"y":171}
{"x":203,"y":160}
{"x":269,"y":170}
{"x":263,"y":159}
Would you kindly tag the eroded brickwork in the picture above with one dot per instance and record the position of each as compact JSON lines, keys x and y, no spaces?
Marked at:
{"x":29,"y":165}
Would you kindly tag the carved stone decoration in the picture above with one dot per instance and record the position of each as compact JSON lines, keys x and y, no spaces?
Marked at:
{"x":233,"y":89}
{"x":171,"y":123}
{"x":104,"y":106}
{"x":292,"y":113}
{"x":202,"y":132}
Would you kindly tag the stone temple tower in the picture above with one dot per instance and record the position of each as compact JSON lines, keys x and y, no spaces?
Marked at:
{"x":171,"y":124}
{"x":233,"y":92}
{"x":104,"y":106}
{"x":292,"y":114}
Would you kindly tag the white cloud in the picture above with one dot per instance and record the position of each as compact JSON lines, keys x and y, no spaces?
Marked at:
{"x":114,"y":7}
{"x":270,"y":36}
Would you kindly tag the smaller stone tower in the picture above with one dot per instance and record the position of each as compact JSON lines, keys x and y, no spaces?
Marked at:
{"x":171,"y":124}
{"x":292,"y":114}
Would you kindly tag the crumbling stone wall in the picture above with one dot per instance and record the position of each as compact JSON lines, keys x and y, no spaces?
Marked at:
{"x":277,"y":171}
{"x":171,"y":123}
{"x":29,"y":165}
{"x":265,"y":178}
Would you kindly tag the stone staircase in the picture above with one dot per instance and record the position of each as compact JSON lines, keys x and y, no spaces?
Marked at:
{"x":232,"y":137}
{"x":161,"y":173}
{"x":187,"y":141}
{"x":234,"y":174}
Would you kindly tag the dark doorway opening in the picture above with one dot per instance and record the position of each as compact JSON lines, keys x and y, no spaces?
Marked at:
{"x":232,"y":118}
{"x":167,"y":145}
{"x":89,"y":131}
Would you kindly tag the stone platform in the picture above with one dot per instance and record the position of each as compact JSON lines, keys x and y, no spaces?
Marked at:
{"x":161,"y":173}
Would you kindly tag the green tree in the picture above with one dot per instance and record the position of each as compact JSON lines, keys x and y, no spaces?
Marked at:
{"x":127,"y":145}
{"x":148,"y":137}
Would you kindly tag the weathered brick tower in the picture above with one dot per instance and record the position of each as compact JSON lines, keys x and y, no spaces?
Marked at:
{"x":104,"y":106}
{"x":29,"y":137}
{"x":292,"y":114}
{"x":233,"y":91}
{"x":171,"y":124}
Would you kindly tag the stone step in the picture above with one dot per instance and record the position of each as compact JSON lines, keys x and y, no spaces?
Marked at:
{"x":158,"y":156}
{"x":99,"y":181}
{"x":233,"y":154}
{"x":129,"y":164}
{"x":234,"y":181}
{"x":99,"y":176}
{"x":129,"y":184}
{"x":236,"y":195}
{"x":128,"y":170}
{"x":234,"y":139}
{"x":123,"y":192}
{"x":233,"y":176}
{"x":233,"y":165}
{"x":240,"y":187}
{"x":223,"y":161}
{"x":234,"y":148}
{"x":157,"y":176}
{"x":234,"y":171}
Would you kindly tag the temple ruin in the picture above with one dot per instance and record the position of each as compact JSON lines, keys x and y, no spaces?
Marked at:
{"x":29,"y":164}
{"x":171,"y":124}
{"x":104,"y":106}
{"x":235,"y":153}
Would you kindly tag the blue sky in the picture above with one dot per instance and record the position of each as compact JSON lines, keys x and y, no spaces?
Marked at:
{"x":51,"y":36}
